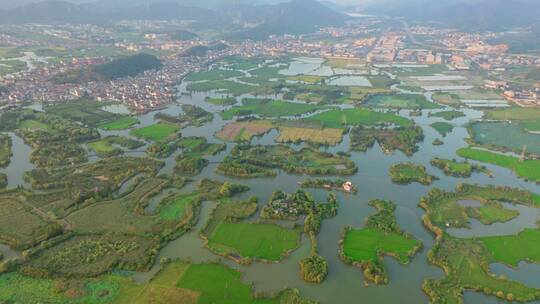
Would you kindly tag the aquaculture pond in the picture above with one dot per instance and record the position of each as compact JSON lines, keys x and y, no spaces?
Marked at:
{"x":344,"y":283}
{"x":505,"y":135}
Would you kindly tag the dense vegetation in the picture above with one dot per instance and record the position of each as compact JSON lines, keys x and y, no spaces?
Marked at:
{"x":118,"y":68}
{"x":404,"y":139}
{"x":261,"y":161}
{"x":466,"y":261}
{"x":5,"y":149}
{"x":406,"y":173}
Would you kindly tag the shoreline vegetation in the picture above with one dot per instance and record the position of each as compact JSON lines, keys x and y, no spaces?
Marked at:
{"x":465,"y":262}
{"x":528,"y":169}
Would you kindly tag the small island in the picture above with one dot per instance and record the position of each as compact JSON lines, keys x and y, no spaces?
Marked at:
{"x":381,"y":236}
{"x":458,"y":169}
{"x":329,"y":184}
{"x":407,"y":173}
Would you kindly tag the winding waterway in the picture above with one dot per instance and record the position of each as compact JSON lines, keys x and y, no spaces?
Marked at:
{"x":344,"y":283}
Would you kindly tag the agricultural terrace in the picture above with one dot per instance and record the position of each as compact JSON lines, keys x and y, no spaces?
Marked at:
{"x":350,"y":117}
{"x":244,"y":130}
{"x":444,"y":210}
{"x":268,"y":109}
{"x":262,"y":161}
{"x":400,"y":101}
{"x":457,"y":169}
{"x":156,"y":132}
{"x":405,"y":139}
{"x":527,"y":169}
{"x":380,"y":237}
{"x":406,"y":173}
{"x":443,"y":128}
{"x":5,"y":149}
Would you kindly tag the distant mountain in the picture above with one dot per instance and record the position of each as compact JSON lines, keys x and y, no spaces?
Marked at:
{"x":468,"y":15}
{"x":295,"y":17}
{"x":54,"y":11}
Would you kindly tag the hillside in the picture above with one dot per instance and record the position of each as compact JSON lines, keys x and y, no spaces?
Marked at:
{"x":118,"y":68}
{"x":477,"y":15}
{"x":295,"y":17}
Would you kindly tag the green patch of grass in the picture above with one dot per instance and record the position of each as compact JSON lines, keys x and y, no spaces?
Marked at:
{"x":174,"y":209}
{"x":218,"y":284}
{"x":381,"y":236}
{"x":400,"y":101}
{"x":156,"y":132}
{"x":527,"y":169}
{"x":358,"y":116}
{"x":366,"y":244}
{"x":104,"y":148}
{"x":492,"y":213}
{"x":442,"y":128}
{"x":120,"y":124}
{"x":34,"y":125}
{"x":255,"y":240}
{"x":269,"y":108}
{"x":448,"y":115}
{"x":215,"y":74}
{"x":515,"y":113}
{"x":513,"y":249}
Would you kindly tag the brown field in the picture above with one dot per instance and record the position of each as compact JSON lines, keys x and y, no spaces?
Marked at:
{"x":318,"y":136}
{"x":244,"y":131}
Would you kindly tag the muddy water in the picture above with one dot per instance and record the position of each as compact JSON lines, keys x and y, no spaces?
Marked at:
{"x":344,"y":283}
